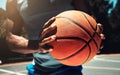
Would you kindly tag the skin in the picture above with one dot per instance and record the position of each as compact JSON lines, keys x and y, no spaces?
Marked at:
{"x":20,"y":44}
{"x":15,"y":23}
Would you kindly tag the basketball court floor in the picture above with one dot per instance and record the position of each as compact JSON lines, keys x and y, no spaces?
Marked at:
{"x":101,"y":65}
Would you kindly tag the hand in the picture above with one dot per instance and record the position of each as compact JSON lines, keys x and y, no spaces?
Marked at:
{"x":19,"y":44}
{"x":47,"y":36}
{"x":16,"y":43}
{"x":102,"y":36}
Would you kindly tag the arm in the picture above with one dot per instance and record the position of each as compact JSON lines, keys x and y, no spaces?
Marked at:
{"x":14,"y":15}
{"x":14,"y":26}
{"x":19,"y":44}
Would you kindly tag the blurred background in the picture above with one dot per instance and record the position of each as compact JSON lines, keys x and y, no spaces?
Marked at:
{"x":106,"y":12}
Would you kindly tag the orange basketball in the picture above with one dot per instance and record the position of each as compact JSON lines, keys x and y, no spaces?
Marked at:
{"x":77,"y":39}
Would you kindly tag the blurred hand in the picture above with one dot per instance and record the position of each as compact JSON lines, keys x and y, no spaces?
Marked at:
{"x":16,"y":41}
{"x":19,"y":44}
{"x":47,"y":36}
{"x":102,"y":36}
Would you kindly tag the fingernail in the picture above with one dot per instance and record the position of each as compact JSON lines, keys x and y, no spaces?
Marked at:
{"x":102,"y":36}
{"x":53,"y":25}
{"x":53,"y":37}
{"x":50,"y":50}
{"x":53,"y":18}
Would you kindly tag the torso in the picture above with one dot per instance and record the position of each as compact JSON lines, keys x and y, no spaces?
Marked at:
{"x":37,"y":13}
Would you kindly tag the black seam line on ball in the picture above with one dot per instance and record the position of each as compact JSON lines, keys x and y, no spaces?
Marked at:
{"x":75,"y":38}
{"x":81,"y":27}
{"x":93,"y":29}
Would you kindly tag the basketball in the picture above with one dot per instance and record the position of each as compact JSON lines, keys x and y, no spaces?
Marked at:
{"x":77,"y":38}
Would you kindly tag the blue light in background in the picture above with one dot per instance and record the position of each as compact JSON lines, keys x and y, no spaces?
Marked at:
{"x":114,"y":5}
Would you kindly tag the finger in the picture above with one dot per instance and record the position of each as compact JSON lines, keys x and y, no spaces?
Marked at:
{"x":101,"y":47}
{"x":49,"y":30}
{"x":100,"y":27}
{"x":98,"y":51}
{"x":48,"y":40}
{"x":102,"y":36}
{"x":49,"y":22}
{"x":46,"y":51}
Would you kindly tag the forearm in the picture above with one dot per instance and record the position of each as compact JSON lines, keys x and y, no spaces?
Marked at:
{"x":19,"y":44}
{"x":15,"y":41}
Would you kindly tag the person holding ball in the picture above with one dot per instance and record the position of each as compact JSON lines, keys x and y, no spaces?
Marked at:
{"x":32,"y":15}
